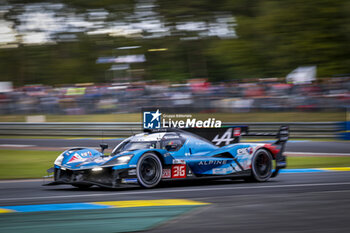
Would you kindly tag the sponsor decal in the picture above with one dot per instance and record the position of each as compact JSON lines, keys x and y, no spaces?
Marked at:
{"x":189,"y":173}
{"x":76,"y":158}
{"x":245,"y":161}
{"x":237,"y":132}
{"x":222,"y":171}
{"x":166,"y":173}
{"x":86,"y":154}
{"x":83,"y":156}
{"x":230,"y":135}
{"x":99,"y":159}
{"x":212,"y":162}
{"x":171,"y":137}
{"x":151,"y":120}
{"x":178,"y":171}
{"x":179,"y":161}
{"x":132,"y":172}
{"x":282,"y":163}
{"x":245,"y":151}
{"x":226,"y":138}
{"x":129,"y":181}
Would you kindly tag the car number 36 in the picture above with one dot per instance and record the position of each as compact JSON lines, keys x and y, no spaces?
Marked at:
{"x":178,"y":171}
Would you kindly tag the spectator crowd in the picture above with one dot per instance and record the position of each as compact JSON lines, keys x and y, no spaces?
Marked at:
{"x":195,"y":94}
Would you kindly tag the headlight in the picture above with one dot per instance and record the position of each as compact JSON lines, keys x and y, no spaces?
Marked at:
{"x":120,"y":160}
{"x":59,"y":160}
{"x":123,"y":159}
{"x":97,"y":169}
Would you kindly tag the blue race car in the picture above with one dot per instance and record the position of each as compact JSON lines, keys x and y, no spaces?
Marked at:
{"x":173,"y":154}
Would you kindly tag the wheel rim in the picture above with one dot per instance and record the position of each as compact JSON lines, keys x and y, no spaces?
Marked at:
{"x":263,"y":165}
{"x":149,"y":170}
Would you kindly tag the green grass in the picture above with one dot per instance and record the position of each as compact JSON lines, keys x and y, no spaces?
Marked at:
{"x":225,"y":117}
{"x":318,"y":162}
{"x":17,"y":164}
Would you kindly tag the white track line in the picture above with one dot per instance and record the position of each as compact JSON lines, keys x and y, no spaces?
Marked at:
{"x":316,"y":153}
{"x":179,"y":190}
{"x":25,"y":180}
{"x":15,"y":145}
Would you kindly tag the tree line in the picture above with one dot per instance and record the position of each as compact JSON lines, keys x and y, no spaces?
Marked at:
{"x":271,"y":38}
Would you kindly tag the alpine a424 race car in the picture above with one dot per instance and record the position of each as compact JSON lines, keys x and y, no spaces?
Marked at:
{"x":169,"y":153}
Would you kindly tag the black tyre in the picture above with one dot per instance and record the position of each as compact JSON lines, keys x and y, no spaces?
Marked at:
{"x":261,"y":166}
{"x":149,"y":170}
{"x":82,"y":186}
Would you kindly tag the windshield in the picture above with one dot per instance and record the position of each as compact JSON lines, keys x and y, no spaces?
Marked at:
{"x":130,"y":146}
{"x":139,"y":145}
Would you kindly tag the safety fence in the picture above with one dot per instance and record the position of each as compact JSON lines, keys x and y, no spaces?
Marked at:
{"x":122,"y":129}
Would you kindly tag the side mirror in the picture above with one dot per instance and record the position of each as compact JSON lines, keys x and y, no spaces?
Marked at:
{"x":103,"y":147}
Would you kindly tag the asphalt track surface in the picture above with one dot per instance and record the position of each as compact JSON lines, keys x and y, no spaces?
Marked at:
{"x":303,"y":202}
{"x":292,"y":202}
{"x":292,"y":146}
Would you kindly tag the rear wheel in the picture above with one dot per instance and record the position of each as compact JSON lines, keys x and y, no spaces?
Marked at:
{"x":261,"y":166}
{"x":149,"y":170}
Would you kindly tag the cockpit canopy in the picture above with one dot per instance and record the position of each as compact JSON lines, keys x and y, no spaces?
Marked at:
{"x":168,"y":141}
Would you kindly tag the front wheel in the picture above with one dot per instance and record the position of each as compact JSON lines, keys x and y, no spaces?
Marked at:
{"x":261,"y":166}
{"x":149,"y":170}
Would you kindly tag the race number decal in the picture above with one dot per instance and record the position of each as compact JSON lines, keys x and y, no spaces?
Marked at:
{"x":178,"y":171}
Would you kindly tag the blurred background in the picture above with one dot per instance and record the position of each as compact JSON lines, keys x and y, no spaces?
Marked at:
{"x":74,"y":57}
{"x":75,"y":73}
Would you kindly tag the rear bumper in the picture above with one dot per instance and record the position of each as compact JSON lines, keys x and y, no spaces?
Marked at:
{"x":281,"y":164}
{"x":281,"y":161}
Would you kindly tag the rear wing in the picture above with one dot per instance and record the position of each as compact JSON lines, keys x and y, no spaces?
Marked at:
{"x":232,"y":134}
{"x":228,"y":135}
{"x":282,"y":135}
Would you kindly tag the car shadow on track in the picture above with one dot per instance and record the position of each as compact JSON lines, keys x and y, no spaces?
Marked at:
{"x":162,"y":185}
